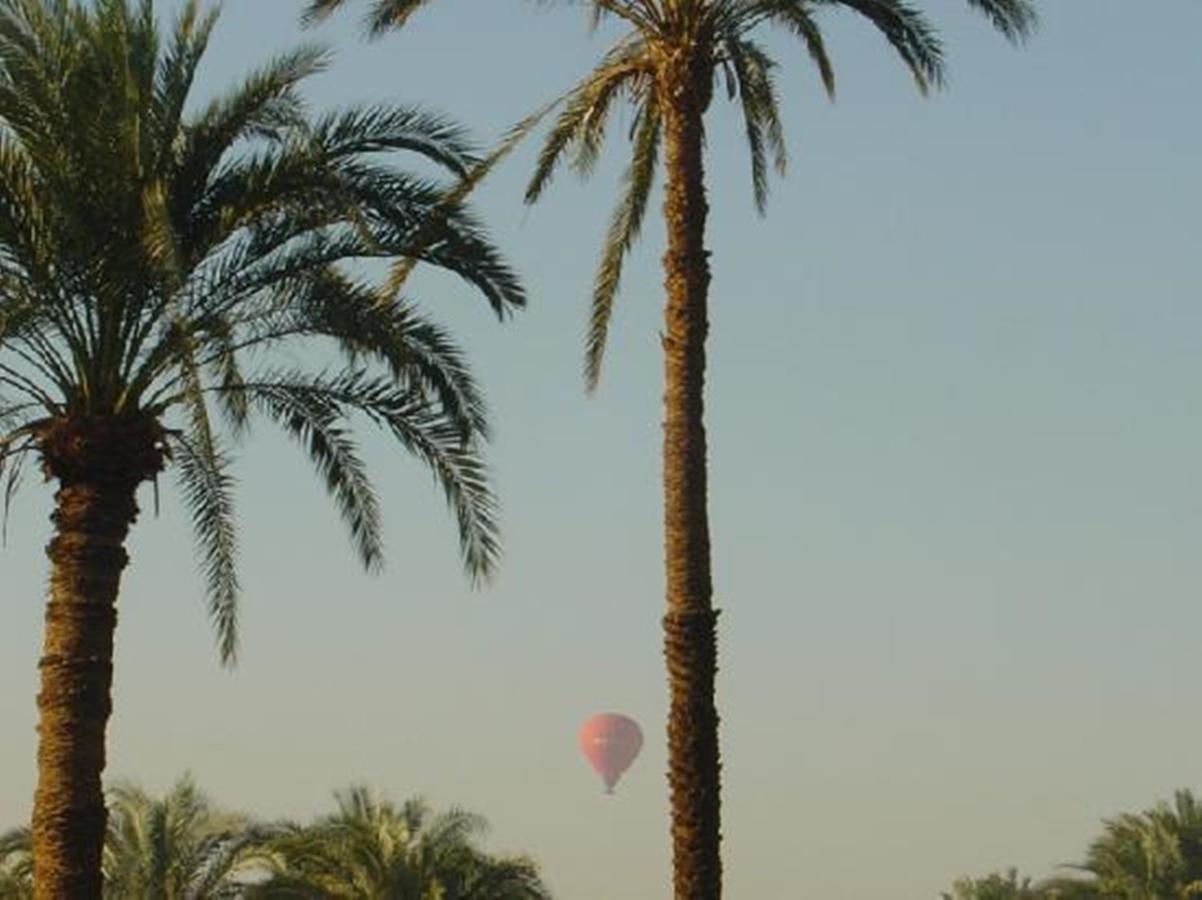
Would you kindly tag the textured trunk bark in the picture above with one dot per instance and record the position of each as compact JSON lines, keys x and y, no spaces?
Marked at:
{"x":99,"y":464}
{"x":87,"y":557}
{"x":690,"y":632}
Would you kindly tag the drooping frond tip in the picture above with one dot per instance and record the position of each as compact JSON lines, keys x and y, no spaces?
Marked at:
{"x":382,"y":15}
{"x":207,"y":487}
{"x":505,"y":291}
{"x":624,"y":230}
{"x":1015,"y":19}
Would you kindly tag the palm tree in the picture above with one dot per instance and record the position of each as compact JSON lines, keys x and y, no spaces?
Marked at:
{"x":667,"y":66}
{"x":371,"y":849}
{"x":994,"y":887}
{"x":175,"y":847}
{"x":1153,"y":855}
{"x":151,"y":260}
{"x":16,"y":865}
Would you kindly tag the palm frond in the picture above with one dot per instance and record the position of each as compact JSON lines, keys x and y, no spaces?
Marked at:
{"x":207,"y":488}
{"x":448,"y":237}
{"x":761,"y":115}
{"x":13,"y":457}
{"x":647,"y":18}
{"x":584,"y":107}
{"x":372,"y":847}
{"x":303,"y":403}
{"x":220,"y":859}
{"x":425,"y":235}
{"x":16,"y":864}
{"x":1015,"y":19}
{"x":176,"y":845}
{"x":313,"y":414}
{"x":175,"y":74}
{"x":624,"y":229}
{"x":796,"y":17}
{"x":908,"y":31}
{"x":15,"y":841}
{"x":265,"y":105}
{"x":159,"y":239}
{"x":228,"y":376}
{"x":507,"y":878}
{"x":382,"y":15}
{"x":24,"y":231}
{"x":416,"y":351}
{"x":354,"y":132}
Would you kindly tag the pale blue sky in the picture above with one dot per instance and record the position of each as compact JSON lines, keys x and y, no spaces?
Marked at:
{"x":955,"y":485}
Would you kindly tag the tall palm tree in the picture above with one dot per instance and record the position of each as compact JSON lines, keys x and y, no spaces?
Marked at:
{"x":667,"y":64}
{"x":153,"y":263}
{"x":371,"y":849}
{"x":175,"y":847}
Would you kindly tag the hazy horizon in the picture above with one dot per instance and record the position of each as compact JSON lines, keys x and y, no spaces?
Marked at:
{"x":955,"y":495}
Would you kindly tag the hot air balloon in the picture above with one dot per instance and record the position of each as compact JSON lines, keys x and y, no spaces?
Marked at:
{"x":610,"y":742}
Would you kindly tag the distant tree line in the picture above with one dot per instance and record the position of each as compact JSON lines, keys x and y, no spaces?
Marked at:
{"x":181,"y":846}
{"x":1152,"y":855}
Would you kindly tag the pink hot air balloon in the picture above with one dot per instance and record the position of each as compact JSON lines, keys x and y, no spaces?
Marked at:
{"x":610,"y":741}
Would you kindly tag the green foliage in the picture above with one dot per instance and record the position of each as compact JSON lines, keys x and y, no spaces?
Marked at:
{"x":994,"y":887}
{"x":1152,"y":855}
{"x":171,"y":264}
{"x":382,"y":15}
{"x":372,"y":848}
{"x":16,"y":865}
{"x":175,"y":847}
{"x":180,"y":846}
{"x":719,"y":32}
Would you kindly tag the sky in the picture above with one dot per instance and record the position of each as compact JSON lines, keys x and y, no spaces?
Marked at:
{"x":955,"y":492}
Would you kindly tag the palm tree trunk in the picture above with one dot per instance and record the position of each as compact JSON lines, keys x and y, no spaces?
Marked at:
{"x":99,"y":465}
{"x":690,"y":623}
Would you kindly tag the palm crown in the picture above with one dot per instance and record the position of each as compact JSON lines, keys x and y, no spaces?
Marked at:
{"x":721,"y":36}
{"x":1156,"y":853}
{"x":154,"y":261}
{"x":373,"y":848}
{"x":176,"y":847}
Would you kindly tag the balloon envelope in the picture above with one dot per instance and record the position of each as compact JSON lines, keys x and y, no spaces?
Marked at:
{"x":610,"y":742}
